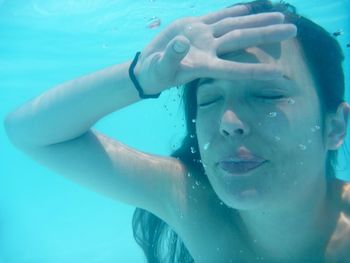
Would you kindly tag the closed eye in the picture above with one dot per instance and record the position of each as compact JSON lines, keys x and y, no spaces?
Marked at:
{"x":272,"y":97}
{"x":208,"y":103}
{"x":280,"y":97}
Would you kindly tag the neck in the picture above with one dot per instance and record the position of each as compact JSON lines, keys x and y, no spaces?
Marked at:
{"x":292,"y":231}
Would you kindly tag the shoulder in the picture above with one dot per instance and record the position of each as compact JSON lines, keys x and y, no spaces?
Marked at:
{"x":338,"y":246}
{"x":345,"y":198}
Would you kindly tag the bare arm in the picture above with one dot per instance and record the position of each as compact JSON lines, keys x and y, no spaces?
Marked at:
{"x":69,"y":110}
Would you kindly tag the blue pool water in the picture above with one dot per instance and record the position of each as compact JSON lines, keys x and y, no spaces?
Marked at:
{"x":45,"y":218}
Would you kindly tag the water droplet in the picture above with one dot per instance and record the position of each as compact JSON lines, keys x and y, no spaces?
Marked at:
{"x":272,"y":114}
{"x":221,"y":203}
{"x":277,"y":138}
{"x":291,"y":101}
{"x":189,"y":175}
{"x":193,"y":150}
{"x":197,"y":183}
{"x":302,"y":147}
{"x":317,"y":127}
{"x":337,"y":33}
{"x":192,"y":136}
{"x":206,"y":146}
{"x":194,"y":120}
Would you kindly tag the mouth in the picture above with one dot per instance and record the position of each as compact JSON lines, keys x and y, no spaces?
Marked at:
{"x":239,"y":168}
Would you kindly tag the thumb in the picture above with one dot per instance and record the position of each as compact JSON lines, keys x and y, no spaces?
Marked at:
{"x":175,"y":51}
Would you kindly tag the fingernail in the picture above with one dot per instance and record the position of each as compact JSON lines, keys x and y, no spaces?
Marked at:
{"x":179,"y":47}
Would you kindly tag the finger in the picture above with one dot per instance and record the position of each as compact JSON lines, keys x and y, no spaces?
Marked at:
{"x":228,"y":70}
{"x":243,"y":38}
{"x":238,"y":10}
{"x":257,"y":20}
{"x":174,"y":52}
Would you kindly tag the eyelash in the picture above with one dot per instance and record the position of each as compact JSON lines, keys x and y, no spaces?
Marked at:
{"x":260,"y":97}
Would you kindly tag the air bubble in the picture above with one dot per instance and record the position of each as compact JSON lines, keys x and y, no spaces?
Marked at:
{"x":193,"y":150}
{"x":309,"y":141}
{"x":291,"y":101}
{"x":302,"y":147}
{"x":193,"y":120}
{"x":189,"y":175}
{"x":197,"y":183}
{"x":277,"y":138}
{"x":192,"y":136}
{"x":154,"y":22}
{"x":315,"y":128}
{"x":272,"y":114}
{"x":206,"y":146}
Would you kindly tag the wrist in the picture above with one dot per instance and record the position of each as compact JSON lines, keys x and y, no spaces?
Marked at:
{"x":133,"y":74}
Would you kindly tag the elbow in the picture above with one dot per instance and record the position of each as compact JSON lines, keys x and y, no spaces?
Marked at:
{"x":11,"y":131}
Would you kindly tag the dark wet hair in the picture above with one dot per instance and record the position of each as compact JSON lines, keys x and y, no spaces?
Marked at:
{"x":324,"y":58}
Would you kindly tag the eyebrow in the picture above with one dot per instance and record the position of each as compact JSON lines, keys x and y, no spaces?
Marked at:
{"x":211,"y":80}
{"x":205,"y":81}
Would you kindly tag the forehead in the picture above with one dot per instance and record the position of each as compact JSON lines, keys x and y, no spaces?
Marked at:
{"x":286,"y":55}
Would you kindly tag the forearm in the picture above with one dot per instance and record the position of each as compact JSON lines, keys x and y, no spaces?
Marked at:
{"x":70,"y":109}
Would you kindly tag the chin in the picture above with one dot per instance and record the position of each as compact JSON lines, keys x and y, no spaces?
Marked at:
{"x":246,"y":199}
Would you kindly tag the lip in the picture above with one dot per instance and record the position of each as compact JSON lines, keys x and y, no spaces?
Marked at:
{"x":240,"y":168}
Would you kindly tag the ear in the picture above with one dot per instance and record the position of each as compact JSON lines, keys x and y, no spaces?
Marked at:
{"x":337,"y":126}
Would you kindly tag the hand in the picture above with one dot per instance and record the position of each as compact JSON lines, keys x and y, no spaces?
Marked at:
{"x":189,"y":48}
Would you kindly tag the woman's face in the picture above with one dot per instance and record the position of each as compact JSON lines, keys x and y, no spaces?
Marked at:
{"x":278,"y":120}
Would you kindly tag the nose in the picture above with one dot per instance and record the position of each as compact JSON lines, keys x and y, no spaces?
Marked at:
{"x":231,"y":125}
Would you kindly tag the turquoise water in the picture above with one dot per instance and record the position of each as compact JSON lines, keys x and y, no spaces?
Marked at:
{"x":45,"y":217}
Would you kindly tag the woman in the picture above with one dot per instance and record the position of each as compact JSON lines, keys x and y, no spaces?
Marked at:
{"x":265,"y":117}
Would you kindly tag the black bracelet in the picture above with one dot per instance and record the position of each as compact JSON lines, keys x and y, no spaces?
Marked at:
{"x":136,"y":83}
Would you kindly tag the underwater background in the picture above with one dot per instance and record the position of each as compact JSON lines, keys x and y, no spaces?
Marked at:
{"x":45,"y":218}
